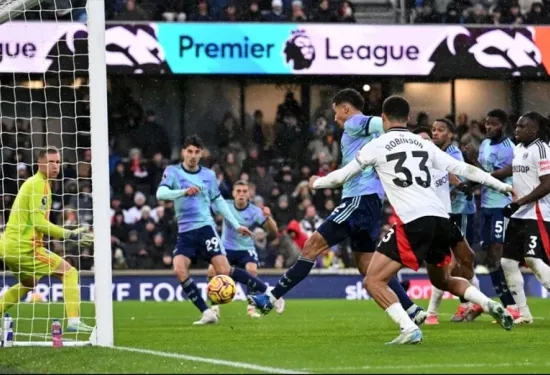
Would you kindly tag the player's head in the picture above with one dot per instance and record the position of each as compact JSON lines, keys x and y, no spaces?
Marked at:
{"x":443,"y":131}
{"x":191,"y":151}
{"x":530,"y":126}
{"x":395,"y":112}
{"x":424,"y":132}
{"x":346,"y":103}
{"x":49,"y":162}
{"x":241,"y":193}
{"x":495,"y":123}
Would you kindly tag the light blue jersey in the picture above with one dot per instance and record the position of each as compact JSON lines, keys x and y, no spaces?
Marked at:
{"x":192,"y":212}
{"x":250,"y":217}
{"x":492,"y":157}
{"x":358,"y":131}
{"x":460,"y":205}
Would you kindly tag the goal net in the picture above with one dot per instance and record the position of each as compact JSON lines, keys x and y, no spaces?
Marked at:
{"x":51,"y":96}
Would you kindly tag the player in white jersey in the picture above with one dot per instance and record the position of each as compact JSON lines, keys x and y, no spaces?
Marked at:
{"x":403,"y":162}
{"x":527,"y":236}
{"x":463,"y":255}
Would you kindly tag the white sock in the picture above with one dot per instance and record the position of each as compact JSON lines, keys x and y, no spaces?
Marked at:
{"x":400,"y":316}
{"x":474,"y":295}
{"x":540,"y":269}
{"x":74,"y":321}
{"x":475,"y":281}
{"x":435,"y":300}
{"x":412,"y":309}
{"x":515,"y":282}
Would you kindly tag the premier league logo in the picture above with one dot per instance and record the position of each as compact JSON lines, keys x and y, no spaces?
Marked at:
{"x":299,"y":50}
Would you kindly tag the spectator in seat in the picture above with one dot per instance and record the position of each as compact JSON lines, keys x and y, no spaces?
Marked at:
{"x":311,"y":221}
{"x":346,"y":13}
{"x":158,"y":250}
{"x":536,"y":16}
{"x":298,"y":14}
{"x":287,"y":252}
{"x":283,"y":213}
{"x":514,"y":15}
{"x":133,"y":215}
{"x":230,"y":14}
{"x":323,"y":13}
{"x":294,"y":230}
{"x":202,"y":14}
{"x":427,"y":15}
{"x":258,"y":126}
{"x":478,"y":15}
{"x":253,"y":14}
{"x":132,"y":12}
{"x":452,"y":14}
{"x":119,"y":229}
{"x":276,"y":14}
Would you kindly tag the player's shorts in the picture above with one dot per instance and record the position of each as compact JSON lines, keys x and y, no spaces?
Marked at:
{"x":466,"y":224}
{"x":201,"y":243}
{"x":527,"y":238}
{"x":424,"y":239}
{"x":26,"y":263}
{"x":239,"y":258}
{"x":356,"y":218}
{"x":493,"y":226}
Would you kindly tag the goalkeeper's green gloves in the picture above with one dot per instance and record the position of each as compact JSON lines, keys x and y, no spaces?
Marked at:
{"x":82,"y":236}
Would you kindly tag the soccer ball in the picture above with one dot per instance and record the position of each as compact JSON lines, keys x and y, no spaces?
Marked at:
{"x":221,"y":289}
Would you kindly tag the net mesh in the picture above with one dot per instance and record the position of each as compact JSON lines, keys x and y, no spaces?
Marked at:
{"x":44,"y":101}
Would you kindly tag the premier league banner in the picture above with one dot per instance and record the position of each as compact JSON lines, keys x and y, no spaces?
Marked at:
{"x":165,"y":288}
{"x":282,"y":49}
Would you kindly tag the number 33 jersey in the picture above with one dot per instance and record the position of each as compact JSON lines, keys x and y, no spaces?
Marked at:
{"x":404,"y":163}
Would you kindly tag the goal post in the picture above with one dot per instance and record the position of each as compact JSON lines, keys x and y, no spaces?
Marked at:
{"x":48,"y":97}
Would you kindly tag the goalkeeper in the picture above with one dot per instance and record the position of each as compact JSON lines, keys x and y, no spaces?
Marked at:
{"x":22,"y":249}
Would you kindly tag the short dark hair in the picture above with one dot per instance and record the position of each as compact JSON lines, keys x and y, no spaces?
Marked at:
{"x":47,"y":151}
{"x":448,"y":123}
{"x":350,"y":96}
{"x":396,"y":108}
{"x":499,"y":114}
{"x":240,"y":183}
{"x":423,"y":129}
{"x":542,"y":122}
{"x":193,"y":140}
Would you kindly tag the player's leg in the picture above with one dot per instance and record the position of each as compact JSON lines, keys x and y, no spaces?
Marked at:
{"x":210,"y":273}
{"x":252,"y":268}
{"x":493,"y":239}
{"x":16,"y":260}
{"x":188,"y":246}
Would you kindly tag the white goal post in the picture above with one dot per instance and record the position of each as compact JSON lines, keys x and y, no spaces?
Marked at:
{"x":41,"y":107}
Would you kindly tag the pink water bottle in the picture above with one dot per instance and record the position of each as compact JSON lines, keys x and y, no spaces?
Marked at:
{"x":57,"y":334}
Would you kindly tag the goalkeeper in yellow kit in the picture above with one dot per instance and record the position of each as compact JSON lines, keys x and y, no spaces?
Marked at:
{"x":22,"y":249}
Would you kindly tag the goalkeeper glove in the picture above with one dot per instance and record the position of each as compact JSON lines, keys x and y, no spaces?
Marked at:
{"x":509,"y":210}
{"x":82,"y":236}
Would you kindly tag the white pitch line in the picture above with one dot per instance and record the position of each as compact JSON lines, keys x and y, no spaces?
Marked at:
{"x":40,"y":335}
{"x":428,"y":366}
{"x":212,"y":361}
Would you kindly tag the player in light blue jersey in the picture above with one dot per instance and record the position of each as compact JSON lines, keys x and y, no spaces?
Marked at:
{"x":194,"y":189}
{"x":359,"y":215}
{"x":496,"y":154}
{"x":240,"y":250}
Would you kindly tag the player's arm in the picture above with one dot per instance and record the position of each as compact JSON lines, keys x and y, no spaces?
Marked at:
{"x":442,"y":161}
{"x":366,"y":126}
{"x":503,"y":166}
{"x":168,"y":189}
{"x":269,"y":223}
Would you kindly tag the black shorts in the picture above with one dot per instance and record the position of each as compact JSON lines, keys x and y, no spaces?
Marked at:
{"x":527,"y":238}
{"x":455,"y":236}
{"x":356,"y":218}
{"x":424,"y":239}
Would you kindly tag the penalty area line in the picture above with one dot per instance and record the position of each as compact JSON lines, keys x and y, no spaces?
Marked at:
{"x":212,"y":361}
{"x":427,"y":366}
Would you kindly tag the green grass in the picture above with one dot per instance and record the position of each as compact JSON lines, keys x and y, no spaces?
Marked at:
{"x":317,"y":336}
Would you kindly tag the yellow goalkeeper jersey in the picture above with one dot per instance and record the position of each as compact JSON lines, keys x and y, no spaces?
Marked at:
{"x":29,"y":217}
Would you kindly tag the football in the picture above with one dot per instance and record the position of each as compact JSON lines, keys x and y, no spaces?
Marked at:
{"x":221,"y":289}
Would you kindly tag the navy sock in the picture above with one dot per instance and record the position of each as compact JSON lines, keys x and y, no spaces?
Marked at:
{"x":194,"y":294}
{"x":247,"y":279}
{"x":397,"y":288}
{"x":293,"y":277}
{"x":501,"y":288}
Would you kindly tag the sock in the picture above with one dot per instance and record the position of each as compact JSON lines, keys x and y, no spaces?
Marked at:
{"x":400,"y":316}
{"x":515,"y":282}
{"x":12,"y":296}
{"x":71,"y":293}
{"x":474,"y":295}
{"x":435,"y":300}
{"x":409,"y":306}
{"x":475,"y":281}
{"x":293,"y":276}
{"x":247,"y":279}
{"x":194,"y":294}
{"x":541,"y":270}
{"x":499,"y":283}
